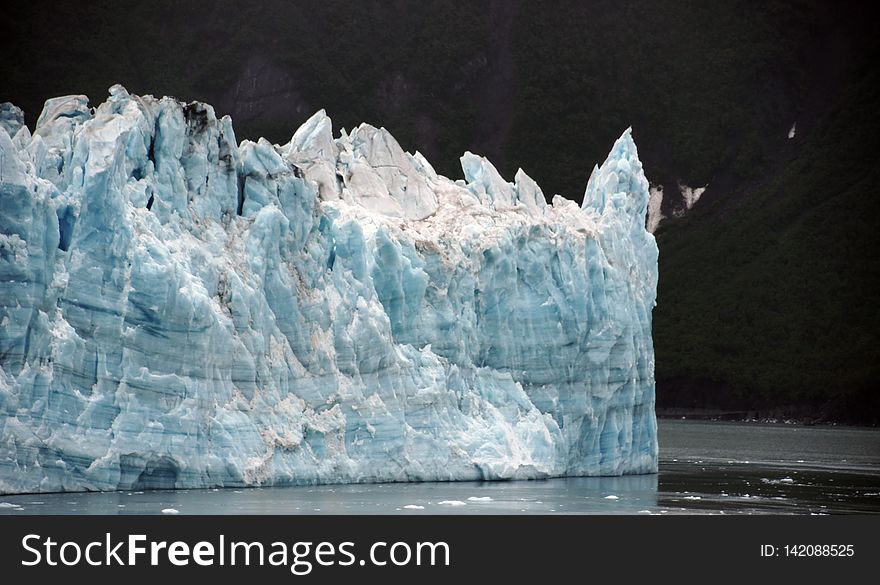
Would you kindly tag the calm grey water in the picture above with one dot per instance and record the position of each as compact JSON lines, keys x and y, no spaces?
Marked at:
{"x":705,"y":467}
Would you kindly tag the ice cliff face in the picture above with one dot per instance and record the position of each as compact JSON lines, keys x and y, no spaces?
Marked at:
{"x":179,"y":310}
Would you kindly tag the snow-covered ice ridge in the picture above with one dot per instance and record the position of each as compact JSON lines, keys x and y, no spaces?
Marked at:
{"x":180,"y":310}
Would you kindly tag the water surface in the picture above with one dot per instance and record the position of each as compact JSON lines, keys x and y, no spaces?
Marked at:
{"x":705,"y":467}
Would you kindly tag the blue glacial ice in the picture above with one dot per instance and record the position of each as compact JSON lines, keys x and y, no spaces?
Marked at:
{"x":181,"y":310}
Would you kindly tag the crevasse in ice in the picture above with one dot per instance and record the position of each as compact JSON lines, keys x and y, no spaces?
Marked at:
{"x":180,"y":310}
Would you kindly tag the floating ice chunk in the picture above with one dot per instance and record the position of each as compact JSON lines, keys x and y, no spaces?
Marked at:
{"x":784,"y":480}
{"x":480,"y":499}
{"x":451,"y":503}
{"x":413,"y":507}
{"x":612,"y":497}
{"x":170,"y":511}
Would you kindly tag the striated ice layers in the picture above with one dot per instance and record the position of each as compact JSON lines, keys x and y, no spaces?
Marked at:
{"x":179,"y":310}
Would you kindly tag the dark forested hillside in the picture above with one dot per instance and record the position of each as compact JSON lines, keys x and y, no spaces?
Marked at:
{"x":768,"y":291}
{"x":709,"y":88}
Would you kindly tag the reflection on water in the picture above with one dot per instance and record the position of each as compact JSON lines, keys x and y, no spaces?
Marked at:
{"x":564,"y":495}
{"x":768,"y":468}
{"x":706,"y":467}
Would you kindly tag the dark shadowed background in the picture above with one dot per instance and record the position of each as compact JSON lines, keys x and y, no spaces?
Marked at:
{"x":768,"y":300}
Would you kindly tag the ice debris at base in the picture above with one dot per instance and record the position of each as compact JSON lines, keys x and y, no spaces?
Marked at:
{"x":178,"y":310}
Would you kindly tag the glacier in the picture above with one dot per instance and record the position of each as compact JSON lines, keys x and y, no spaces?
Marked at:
{"x":180,"y":310}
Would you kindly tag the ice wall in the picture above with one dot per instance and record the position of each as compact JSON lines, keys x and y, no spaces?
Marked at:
{"x":180,"y":310}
